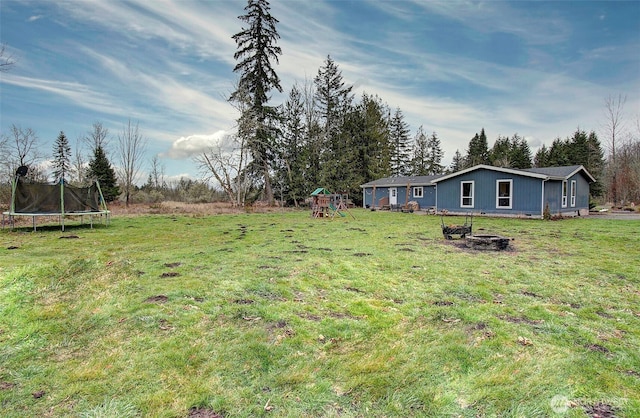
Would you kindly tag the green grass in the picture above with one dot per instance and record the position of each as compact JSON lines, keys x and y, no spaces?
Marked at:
{"x":283,"y":315}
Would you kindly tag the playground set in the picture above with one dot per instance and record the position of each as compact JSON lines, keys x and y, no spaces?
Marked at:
{"x":325,"y":204}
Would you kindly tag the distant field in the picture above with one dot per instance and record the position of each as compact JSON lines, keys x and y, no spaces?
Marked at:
{"x":277,"y":314}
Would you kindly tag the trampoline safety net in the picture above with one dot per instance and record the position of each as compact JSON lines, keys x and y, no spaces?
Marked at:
{"x":55,"y":199}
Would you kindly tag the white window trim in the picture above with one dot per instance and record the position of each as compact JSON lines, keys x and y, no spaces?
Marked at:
{"x":573,"y":193}
{"x":462,"y":197}
{"x":420,"y":194}
{"x":564,"y":193}
{"x":498,"y":197}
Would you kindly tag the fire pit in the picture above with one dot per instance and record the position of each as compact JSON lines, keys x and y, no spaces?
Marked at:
{"x":487,"y":242}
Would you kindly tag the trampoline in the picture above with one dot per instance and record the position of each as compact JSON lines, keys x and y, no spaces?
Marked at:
{"x":60,"y":200}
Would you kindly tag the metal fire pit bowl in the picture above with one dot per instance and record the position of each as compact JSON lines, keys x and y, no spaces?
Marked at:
{"x":487,"y":242}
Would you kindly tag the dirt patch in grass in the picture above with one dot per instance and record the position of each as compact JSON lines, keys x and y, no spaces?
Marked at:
{"x":12,"y":247}
{"x":165,"y":325}
{"x":6,"y":385}
{"x":342,"y":315}
{"x":598,"y":348}
{"x":310,"y":317}
{"x":362,"y":254}
{"x":203,"y":413}
{"x":244,"y":301}
{"x":600,"y":410}
{"x":69,"y":237}
{"x":157,"y":299}
{"x":461,"y":244}
{"x":170,"y":274}
{"x":172,"y":265}
{"x":520,"y":320}
{"x":531,"y":294}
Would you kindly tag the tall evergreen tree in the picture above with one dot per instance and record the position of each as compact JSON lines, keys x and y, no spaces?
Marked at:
{"x":519,"y":153}
{"x":291,"y":155}
{"x":419,"y":165}
{"x":61,"y":158}
{"x":400,"y":147}
{"x":457,"y":162}
{"x":595,"y":164}
{"x":332,"y":96}
{"x":434,"y":155}
{"x":559,"y":153}
{"x":314,"y":143}
{"x":333,"y":104}
{"x":366,"y":136}
{"x":499,"y":155}
{"x":584,"y":149}
{"x":541,"y":158}
{"x":256,"y":50}
{"x":100,"y":169}
{"x":478,"y":152}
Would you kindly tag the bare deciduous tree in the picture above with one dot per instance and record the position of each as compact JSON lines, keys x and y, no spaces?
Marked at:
{"x":131,"y":148}
{"x":157,"y":173}
{"x":20,"y":147}
{"x":98,"y":137}
{"x":6,"y":59}
{"x":614,"y":127}
{"x":78,"y":162}
{"x":228,"y":168}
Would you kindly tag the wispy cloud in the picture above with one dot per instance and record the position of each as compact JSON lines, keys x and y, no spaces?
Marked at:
{"x":168,"y":64}
{"x":78,"y":93}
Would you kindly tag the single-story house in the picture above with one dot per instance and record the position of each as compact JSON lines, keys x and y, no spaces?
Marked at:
{"x":499,"y":191}
{"x":393,"y":192}
{"x":489,"y":190}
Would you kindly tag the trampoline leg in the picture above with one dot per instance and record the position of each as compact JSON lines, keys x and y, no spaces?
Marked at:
{"x":34,"y":223}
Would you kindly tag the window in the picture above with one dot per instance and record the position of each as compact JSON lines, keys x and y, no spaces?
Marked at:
{"x":564,"y":194}
{"x":417,"y":192}
{"x":466,"y":194}
{"x":504,"y":194}
{"x":573,"y":193}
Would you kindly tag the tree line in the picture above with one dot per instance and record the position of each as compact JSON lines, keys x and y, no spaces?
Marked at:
{"x":323,"y":136}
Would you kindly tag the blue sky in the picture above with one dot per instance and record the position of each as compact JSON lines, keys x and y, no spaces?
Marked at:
{"x":535,"y":68}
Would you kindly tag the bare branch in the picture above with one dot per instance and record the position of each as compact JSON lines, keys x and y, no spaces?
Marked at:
{"x":131,"y":148}
{"x":6,"y":60}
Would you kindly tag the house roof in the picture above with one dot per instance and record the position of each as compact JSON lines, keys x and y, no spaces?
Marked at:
{"x":319,"y":191}
{"x":562,"y":173}
{"x":402,"y":181}
{"x":545,"y":173}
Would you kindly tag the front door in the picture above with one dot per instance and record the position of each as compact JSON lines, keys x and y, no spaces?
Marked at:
{"x":393,"y":196}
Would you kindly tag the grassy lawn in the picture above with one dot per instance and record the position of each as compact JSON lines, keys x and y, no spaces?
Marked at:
{"x":282,"y":315}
